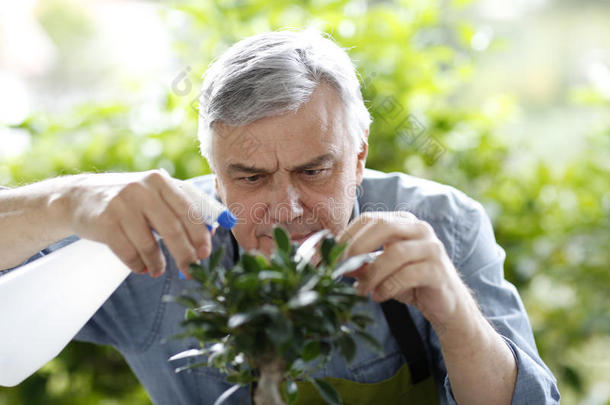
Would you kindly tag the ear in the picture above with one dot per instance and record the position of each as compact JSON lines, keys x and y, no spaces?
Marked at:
{"x":361,"y":158}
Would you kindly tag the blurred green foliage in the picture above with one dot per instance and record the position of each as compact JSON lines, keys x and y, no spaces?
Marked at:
{"x":552,"y":219}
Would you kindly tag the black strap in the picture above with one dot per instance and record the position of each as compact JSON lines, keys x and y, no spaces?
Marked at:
{"x":411,"y":345}
{"x":235,"y":248}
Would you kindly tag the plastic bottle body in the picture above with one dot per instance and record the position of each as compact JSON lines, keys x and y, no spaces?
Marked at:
{"x":45,"y":303}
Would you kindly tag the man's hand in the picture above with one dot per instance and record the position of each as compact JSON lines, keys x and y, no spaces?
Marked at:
{"x":414,"y":267}
{"x":119,"y":210}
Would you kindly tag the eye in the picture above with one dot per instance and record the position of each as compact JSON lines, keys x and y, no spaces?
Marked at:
{"x":251,"y":179}
{"x":313,"y":172}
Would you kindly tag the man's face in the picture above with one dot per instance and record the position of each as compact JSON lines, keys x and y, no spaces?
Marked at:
{"x":298,"y":170}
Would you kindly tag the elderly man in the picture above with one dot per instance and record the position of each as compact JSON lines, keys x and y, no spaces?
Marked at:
{"x":285,"y":130}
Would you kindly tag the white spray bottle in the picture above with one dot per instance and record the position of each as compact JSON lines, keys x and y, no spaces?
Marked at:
{"x":44,"y":304}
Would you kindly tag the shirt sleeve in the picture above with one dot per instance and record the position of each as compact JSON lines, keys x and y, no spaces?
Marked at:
{"x":31,"y":259}
{"x":481,"y":264}
{"x":43,"y":252}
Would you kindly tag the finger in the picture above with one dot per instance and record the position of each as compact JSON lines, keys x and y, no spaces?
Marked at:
{"x":394,"y":256}
{"x":351,"y":230}
{"x":360,"y":223}
{"x":364,"y":221}
{"x":186,"y":210}
{"x":379,"y":234}
{"x":168,"y":226}
{"x":373,"y":217}
{"x":401,"y":282}
{"x":122,"y":247}
{"x":140,"y":235}
{"x":356,"y":234}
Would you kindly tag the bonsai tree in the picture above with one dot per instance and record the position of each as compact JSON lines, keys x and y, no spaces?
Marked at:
{"x":275,"y":321}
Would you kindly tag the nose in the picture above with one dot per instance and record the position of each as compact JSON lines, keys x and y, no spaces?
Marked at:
{"x":285,"y":203}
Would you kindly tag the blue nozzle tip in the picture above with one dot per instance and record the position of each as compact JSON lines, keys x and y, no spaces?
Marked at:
{"x":226,"y":219}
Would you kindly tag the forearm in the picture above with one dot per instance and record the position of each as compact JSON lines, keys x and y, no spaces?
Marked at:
{"x":480,"y":365}
{"x":31,"y":218}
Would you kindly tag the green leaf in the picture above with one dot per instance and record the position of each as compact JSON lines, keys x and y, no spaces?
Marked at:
{"x":217,"y":353}
{"x":325,"y":348}
{"x":190,"y":366}
{"x":354,"y":263}
{"x":282,"y":240}
{"x":331,"y":320}
{"x":204,"y":319}
{"x":242,"y":318}
{"x":361,"y":320}
{"x":271,"y":275}
{"x":190,"y":314}
{"x":183,"y":300}
{"x":244,"y":377}
{"x":248,"y":282}
{"x":211,"y":307}
{"x":298,"y":367}
{"x":310,"y":283}
{"x":303,"y":299}
{"x":207,"y":329}
{"x":307,"y":250}
{"x":327,"y":245}
{"x":311,"y":350}
{"x":310,"y":323}
{"x":327,"y":391}
{"x":249,"y":263}
{"x":215,"y":258}
{"x":270,"y":310}
{"x":245,"y":342}
{"x":291,"y":389}
{"x":198,"y":273}
{"x":188,"y":353}
{"x":336,"y":253}
{"x":347,"y":347}
{"x":225,"y":395}
{"x":263,"y":263}
{"x":340,"y":301}
{"x":279,"y":330}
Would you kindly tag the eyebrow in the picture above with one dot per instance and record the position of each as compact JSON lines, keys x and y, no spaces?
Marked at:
{"x":313,"y":163}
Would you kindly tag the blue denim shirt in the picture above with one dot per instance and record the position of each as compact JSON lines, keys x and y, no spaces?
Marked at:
{"x":136,"y":321}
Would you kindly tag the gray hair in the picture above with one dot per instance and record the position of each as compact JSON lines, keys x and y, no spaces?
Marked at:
{"x":274,"y":73}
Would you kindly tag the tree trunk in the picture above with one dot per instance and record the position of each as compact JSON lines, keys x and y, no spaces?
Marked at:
{"x":268,"y":387}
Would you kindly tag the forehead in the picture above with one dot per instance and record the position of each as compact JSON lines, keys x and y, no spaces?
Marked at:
{"x":317,"y":127}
